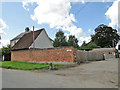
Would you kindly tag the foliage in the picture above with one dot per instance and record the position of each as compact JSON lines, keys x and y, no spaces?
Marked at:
{"x":24,"y":65}
{"x":73,"y":41}
{"x":60,"y":39}
{"x":105,"y":36}
{"x":6,"y":52}
{"x":92,"y":45}
{"x":84,"y":44}
{"x":88,"y":46}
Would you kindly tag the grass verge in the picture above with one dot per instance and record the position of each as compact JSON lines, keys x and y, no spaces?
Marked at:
{"x":25,"y":65}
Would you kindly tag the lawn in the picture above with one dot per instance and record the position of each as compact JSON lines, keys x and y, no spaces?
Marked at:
{"x":24,"y":65}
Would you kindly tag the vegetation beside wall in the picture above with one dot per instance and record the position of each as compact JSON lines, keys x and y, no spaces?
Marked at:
{"x":6,"y":53}
{"x":104,"y":37}
{"x":24,"y":65}
{"x":88,"y":46}
{"x":61,"y":40}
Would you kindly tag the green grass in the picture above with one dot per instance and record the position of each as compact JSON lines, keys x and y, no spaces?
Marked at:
{"x":24,"y":65}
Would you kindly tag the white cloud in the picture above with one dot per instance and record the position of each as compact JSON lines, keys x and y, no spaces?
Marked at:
{"x":83,"y":1}
{"x":80,"y":43}
{"x":119,"y":32}
{"x":89,"y":30}
{"x":4,"y":43}
{"x":67,"y":35}
{"x":56,"y":13}
{"x":74,"y":31}
{"x":2,"y":32}
{"x":26,"y":3}
{"x":34,"y":29}
{"x":2,"y":26}
{"x":112,"y":14}
{"x":86,"y":39}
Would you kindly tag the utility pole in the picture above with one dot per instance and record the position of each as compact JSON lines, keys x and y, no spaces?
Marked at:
{"x":33,"y":38}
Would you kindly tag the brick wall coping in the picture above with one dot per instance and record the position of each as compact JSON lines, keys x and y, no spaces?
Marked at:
{"x":41,"y":48}
{"x":19,"y":49}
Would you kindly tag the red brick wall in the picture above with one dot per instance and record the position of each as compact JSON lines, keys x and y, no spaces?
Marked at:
{"x":21,"y":55}
{"x":46,"y":55}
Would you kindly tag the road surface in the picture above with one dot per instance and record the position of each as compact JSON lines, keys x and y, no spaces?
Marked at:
{"x":98,"y":74}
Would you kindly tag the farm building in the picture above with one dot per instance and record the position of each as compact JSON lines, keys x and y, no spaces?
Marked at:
{"x":108,"y":52}
{"x":25,"y":40}
{"x":95,"y":54}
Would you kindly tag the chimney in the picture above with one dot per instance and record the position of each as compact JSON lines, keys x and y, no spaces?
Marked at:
{"x":27,"y":29}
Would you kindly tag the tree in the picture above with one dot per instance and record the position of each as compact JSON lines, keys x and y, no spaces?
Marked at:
{"x":105,"y":36}
{"x":84,"y":44}
{"x":6,"y":52}
{"x":60,"y":39}
{"x":88,"y":46}
{"x":92,"y":45}
{"x":72,"y":41}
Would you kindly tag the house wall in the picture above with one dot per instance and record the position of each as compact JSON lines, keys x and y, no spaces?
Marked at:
{"x":66,"y":54}
{"x":118,"y":46}
{"x":42,"y":41}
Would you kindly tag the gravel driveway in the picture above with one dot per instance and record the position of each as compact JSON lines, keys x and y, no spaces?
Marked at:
{"x":98,"y":74}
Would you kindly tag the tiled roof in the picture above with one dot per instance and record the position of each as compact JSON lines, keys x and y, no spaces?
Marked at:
{"x":26,"y":40}
{"x":18,"y":36}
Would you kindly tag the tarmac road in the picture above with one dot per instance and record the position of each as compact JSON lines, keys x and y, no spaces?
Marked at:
{"x":98,"y":74}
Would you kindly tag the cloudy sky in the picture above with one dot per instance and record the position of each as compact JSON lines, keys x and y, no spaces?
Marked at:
{"x":76,"y":17}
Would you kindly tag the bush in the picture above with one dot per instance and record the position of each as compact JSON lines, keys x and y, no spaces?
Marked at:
{"x":6,"y":52}
{"x":88,"y":46}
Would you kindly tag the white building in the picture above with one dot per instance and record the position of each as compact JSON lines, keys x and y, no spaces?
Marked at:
{"x":118,"y":46}
{"x":25,"y":40}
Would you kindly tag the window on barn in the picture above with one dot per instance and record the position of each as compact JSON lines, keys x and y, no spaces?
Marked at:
{"x":118,"y":47}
